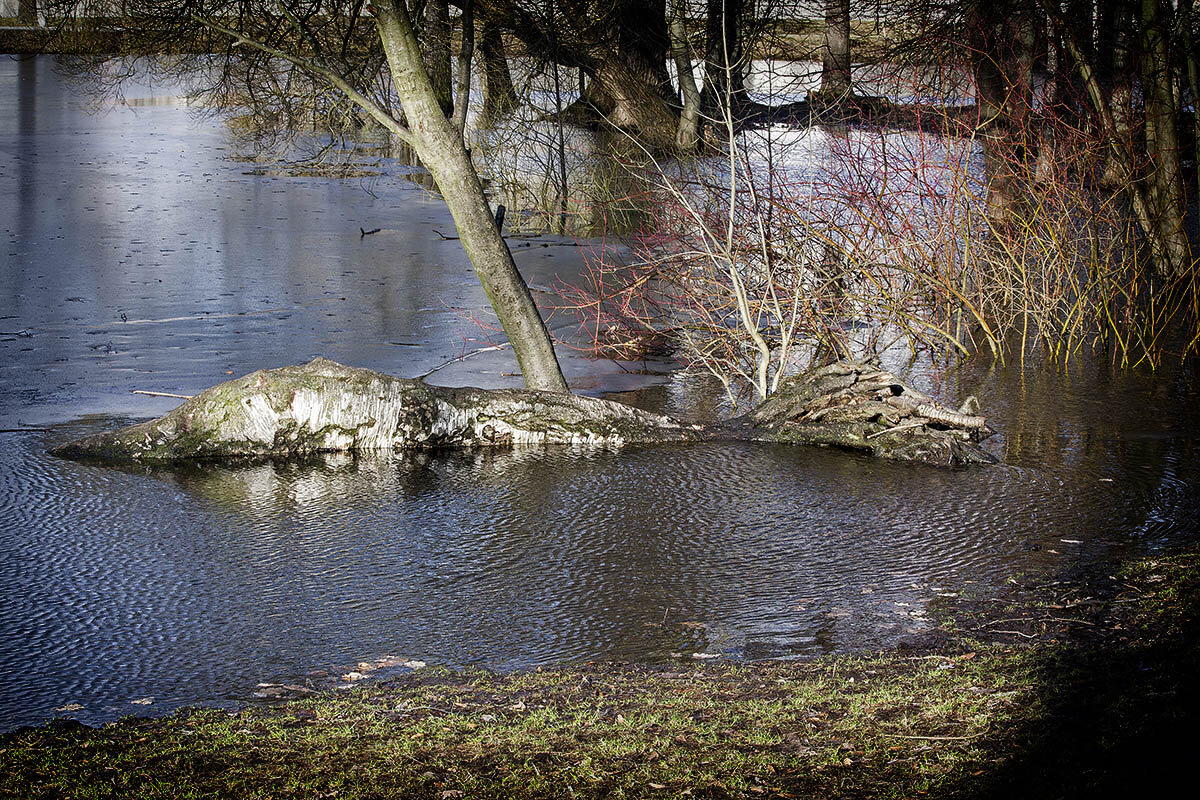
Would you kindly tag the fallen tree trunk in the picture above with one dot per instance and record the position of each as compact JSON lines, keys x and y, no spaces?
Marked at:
{"x":324,"y":406}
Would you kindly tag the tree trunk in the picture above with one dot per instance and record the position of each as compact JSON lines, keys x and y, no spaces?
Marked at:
{"x":1116,"y":39}
{"x":630,"y":86}
{"x":324,"y":406}
{"x":440,"y":148}
{"x":27,"y":12}
{"x":1165,"y":175}
{"x":1193,"y":80}
{"x":1121,"y":150}
{"x":466,"y":51}
{"x":499,"y":96}
{"x":688,"y":132}
{"x":835,"y":54}
{"x":435,"y":46}
{"x":991,"y":100}
{"x":724,"y":93}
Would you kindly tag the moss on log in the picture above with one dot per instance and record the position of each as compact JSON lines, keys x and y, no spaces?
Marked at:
{"x":324,"y":406}
{"x":861,"y":407}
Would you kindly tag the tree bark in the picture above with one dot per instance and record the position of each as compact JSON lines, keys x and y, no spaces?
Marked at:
{"x":688,"y":132}
{"x":324,"y":406}
{"x":27,"y":12}
{"x":1121,"y":151}
{"x":435,"y":46}
{"x":724,"y":93}
{"x":440,"y":148}
{"x":835,"y":54}
{"x":499,"y":96}
{"x":466,"y":51}
{"x":1165,"y":175}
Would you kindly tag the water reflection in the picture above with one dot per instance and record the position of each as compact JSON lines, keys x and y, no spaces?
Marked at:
{"x":193,"y":584}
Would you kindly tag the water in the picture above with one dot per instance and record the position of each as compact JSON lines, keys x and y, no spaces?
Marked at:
{"x":191,"y":585}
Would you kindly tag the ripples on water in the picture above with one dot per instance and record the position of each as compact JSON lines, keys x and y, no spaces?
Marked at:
{"x":192,"y":585}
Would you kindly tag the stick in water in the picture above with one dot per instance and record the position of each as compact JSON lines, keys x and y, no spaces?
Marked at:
{"x":163,"y":394}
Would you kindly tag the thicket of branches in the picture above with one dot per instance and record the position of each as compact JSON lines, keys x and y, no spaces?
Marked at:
{"x":809,"y":178}
{"x":1022,"y":186}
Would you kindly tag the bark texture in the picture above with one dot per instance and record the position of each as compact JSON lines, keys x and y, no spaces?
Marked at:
{"x":440,"y":147}
{"x":323,"y":406}
{"x":835,"y":54}
{"x":688,"y":132}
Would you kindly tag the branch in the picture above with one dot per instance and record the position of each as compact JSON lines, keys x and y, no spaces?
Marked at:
{"x":337,"y":81}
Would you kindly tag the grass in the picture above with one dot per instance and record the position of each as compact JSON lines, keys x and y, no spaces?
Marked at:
{"x":1080,"y":688}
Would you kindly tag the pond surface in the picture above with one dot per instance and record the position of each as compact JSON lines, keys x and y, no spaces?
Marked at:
{"x":139,"y":256}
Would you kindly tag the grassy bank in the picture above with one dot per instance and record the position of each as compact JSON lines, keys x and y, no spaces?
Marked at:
{"x":1081,"y":688}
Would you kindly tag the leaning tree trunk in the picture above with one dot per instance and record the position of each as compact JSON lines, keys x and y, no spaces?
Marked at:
{"x":326,"y":407}
{"x":630,"y":86}
{"x":440,"y":148}
{"x":1120,"y":147}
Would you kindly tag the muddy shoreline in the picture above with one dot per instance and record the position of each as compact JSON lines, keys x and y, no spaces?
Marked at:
{"x":1081,"y":686}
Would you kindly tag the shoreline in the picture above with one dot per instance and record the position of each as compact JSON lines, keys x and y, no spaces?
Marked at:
{"x":1082,"y":686}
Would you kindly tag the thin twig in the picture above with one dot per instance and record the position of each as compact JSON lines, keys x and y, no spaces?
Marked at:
{"x":163,"y":394}
{"x":1018,"y":633}
{"x":939,"y":738}
{"x":464,"y":357}
{"x":904,"y":427}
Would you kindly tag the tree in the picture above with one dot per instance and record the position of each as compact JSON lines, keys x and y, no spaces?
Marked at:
{"x":835,"y":54}
{"x":724,"y":94}
{"x":688,"y":133}
{"x":621,"y":46}
{"x":27,"y":12}
{"x":302,"y":60}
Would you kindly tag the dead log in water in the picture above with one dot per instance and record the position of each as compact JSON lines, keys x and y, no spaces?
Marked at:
{"x":324,"y":406}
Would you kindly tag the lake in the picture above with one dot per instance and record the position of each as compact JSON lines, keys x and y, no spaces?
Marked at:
{"x":143,"y":254}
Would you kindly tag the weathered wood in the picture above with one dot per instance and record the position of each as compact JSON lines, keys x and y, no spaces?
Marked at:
{"x":324,"y":406}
